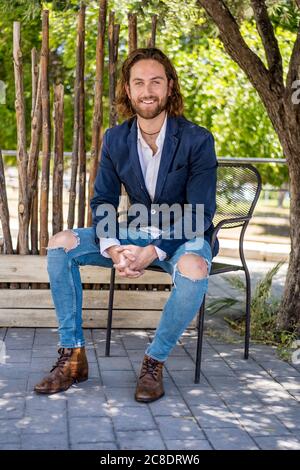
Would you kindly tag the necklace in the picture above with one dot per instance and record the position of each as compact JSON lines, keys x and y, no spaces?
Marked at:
{"x":149,"y":133}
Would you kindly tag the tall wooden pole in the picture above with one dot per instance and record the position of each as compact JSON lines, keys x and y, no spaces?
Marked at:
{"x":32,"y":172}
{"x":4,"y":211}
{"x":98,"y":104}
{"x":152,"y":40}
{"x":58,"y":163}
{"x":77,"y":87}
{"x":132,"y":32}
{"x":113,"y":41}
{"x":81,"y":135}
{"x":46,"y":137}
{"x":21,"y":150}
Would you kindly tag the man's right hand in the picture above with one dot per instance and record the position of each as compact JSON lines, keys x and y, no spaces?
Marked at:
{"x":123,"y":261}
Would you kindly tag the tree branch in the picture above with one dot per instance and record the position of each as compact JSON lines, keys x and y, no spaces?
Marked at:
{"x":237,"y":48}
{"x":266,"y":32}
{"x":294,"y":66}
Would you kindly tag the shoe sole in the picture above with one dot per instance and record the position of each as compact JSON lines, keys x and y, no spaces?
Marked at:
{"x":148,"y":400}
{"x":51,"y":392}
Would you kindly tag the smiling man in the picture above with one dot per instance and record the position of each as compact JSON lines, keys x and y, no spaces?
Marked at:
{"x":162,"y":159}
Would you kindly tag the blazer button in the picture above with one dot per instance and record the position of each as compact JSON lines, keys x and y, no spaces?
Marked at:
{"x":153,"y":211}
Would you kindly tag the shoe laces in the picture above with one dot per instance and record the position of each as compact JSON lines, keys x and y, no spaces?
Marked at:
{"x":61,"y":361}
{"x":151,"y":367}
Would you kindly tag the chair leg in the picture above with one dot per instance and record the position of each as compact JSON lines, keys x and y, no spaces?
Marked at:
{"x":110,"y":310}
{"x":199,"y":341}
{"x":248,"y":312}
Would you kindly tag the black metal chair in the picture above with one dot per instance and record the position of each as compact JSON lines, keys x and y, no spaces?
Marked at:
{"x":238,"y":189}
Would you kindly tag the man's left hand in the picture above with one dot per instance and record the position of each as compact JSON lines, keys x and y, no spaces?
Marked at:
{"x":143,"y":257}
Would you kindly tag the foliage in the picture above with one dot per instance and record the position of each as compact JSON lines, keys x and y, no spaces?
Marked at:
{"x":217,"y":93}
{"x":264,"y":308}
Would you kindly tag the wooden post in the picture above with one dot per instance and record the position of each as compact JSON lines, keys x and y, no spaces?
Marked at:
{"x":32,"y":172}
{"x":113,"y":41}
{"x":151,"y":42}
{"x":46,"y":137}
{"x":58,"y":164}
{"x":4,"y":211}
{"x":81,"y":134}
{"x":98,"y":104}
{"x":132,"y":32}
{"x":21,"y":132}
{"x":77,"y":87}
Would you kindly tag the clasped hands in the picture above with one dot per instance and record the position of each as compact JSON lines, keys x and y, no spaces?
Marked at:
{"x":131,"y":260}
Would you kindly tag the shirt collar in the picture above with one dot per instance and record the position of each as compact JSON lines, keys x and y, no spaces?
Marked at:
{"x":160,"y":138}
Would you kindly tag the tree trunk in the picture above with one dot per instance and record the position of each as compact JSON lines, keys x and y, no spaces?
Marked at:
{"x":289,"y":313}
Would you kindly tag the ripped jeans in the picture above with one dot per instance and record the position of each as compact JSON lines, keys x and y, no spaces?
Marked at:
{"x":66,"y":289}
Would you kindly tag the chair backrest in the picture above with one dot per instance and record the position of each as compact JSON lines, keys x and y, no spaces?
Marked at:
{"x":238,"y":189}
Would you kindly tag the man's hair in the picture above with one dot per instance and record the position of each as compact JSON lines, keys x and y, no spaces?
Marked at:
{"x":174,"y":105}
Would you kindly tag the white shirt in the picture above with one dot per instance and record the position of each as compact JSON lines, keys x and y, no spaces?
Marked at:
{"x":150,"y":166}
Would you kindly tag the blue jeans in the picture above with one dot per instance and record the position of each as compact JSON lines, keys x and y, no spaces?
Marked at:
{"x":181,"y":307}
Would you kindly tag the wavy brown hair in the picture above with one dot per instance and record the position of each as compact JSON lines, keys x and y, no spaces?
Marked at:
{"x":174,"y":105}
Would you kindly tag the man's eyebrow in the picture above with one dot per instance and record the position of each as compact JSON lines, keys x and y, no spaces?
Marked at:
{"x":152,"y":78}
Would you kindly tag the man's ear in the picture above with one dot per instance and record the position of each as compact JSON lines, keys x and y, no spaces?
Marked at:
{"x":127,"y":90}
{"x":170,"y":87}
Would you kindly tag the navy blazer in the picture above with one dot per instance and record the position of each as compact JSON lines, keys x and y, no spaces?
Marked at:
{"x":187,"y":173}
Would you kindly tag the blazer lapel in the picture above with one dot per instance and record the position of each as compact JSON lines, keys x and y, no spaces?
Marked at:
{"x":168,"y":152}
{"x":134,"y":156}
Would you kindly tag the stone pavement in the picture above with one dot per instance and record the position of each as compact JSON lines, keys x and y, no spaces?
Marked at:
{"x":239,"y":404}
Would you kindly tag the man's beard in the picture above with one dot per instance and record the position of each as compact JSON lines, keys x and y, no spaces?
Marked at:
{"x":153,"y":111}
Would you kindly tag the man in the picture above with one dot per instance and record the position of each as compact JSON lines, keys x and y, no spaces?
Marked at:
{"x":161,"y":158}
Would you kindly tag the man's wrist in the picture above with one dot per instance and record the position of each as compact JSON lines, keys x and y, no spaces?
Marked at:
{"x":111,"y":249}
{"x":152,"y":251}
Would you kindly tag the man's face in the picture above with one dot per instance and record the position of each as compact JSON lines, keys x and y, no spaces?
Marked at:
{"x":148,"y":88}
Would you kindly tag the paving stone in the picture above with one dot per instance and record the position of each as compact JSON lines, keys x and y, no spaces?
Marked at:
{"x":140,"y":440}
{"x":169,"y":406}
{"x":114,"y":363}
{"x":10,"y":432}
{"x":12,"y":407}
{"x":230,"y":439}
{"x":89,"y":430}
{"x":18,"y":356}
{"x":190,"y":444}
{"x":43,"y":422}
{"x":87,"y":406}
{"x":180,"y":363}
{"x":121,"y":378}
{"x":55,"y":403}
{"x":13,"y":371}
{"x":197,"y":396}
{"x":186,"y":377}
{"x":259,"y":424}
{"x":117,"y":396}
{"x":214,"y":416}
{"x":132,"y":419}
{"x":10,"y":446}
{"x":278,"y":443}
{"x":182,"y":428}
{"x":95,"y":446}
{"x":44,"y":441}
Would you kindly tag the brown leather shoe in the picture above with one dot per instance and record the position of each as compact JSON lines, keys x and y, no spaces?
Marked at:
{"x":71,"y":367}
{"x":150,"y":384}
